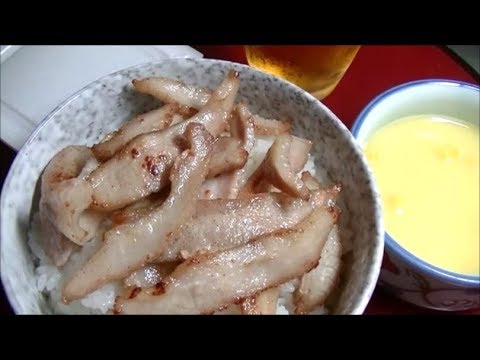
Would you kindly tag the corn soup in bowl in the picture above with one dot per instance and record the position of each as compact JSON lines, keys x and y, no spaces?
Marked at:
{"x":421,"y":140}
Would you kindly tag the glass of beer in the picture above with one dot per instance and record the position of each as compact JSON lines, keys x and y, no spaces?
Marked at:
{"x":315,"y":68}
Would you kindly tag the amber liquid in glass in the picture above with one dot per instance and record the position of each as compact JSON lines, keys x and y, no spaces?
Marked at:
{"x":315,"y":68}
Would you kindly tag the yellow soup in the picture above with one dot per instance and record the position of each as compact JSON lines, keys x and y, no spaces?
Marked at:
{"x":427,"y":171}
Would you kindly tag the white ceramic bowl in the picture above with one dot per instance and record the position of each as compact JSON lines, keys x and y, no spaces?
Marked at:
{"x":403,"y":274}
{"x":100,"y":107}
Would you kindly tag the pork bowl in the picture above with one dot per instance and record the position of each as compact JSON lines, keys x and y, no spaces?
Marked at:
{"x":190,"y":187}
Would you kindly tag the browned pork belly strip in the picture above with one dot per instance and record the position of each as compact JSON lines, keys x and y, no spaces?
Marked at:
{"x":209,"y":282}
{"x":318,"y":284}
{"x":278,"y":169}
{"x":65,"y":197}
{"x":169,"y":91}
{"x":174,"y":91}
{"x":228,"y":185}
{"x":242,"y":127}
{"x":149,"y":275}
{"x":222,"y":224}
{"x":142,"y":166}
{"x":128,"y":247}
{"x":285,"y":158}
{"x":228,"y":155}
{"x":270,"y":126}
{"x":56,"y":245}
{"x":154,"y":120}
{"x":264,"y":303}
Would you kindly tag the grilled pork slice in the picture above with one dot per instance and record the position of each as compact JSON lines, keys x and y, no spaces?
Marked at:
{"x":208,"y":282}
{"x":130,"y":246}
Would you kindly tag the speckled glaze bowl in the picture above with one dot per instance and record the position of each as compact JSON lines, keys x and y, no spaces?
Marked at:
{"x":103,"y":105}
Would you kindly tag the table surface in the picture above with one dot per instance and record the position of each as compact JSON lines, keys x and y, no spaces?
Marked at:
{"x":374,"y":70}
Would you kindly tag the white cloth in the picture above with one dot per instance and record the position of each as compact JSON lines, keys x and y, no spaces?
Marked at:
{"x":35,"y":79}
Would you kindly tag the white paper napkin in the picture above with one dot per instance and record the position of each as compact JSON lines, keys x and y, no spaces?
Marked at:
{"x":35,"y":79}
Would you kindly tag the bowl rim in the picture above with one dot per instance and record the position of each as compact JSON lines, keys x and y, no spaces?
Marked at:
{"x":373,"y":273}
{"x":391,"y":245}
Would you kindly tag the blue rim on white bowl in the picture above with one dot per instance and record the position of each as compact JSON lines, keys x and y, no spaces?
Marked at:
{"x":391,"y":245}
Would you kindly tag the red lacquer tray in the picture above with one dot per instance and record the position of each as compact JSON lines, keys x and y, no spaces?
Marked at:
{"x":374,"y":70}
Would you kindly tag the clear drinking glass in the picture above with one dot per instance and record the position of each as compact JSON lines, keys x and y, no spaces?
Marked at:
{"x":315,"y":68}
